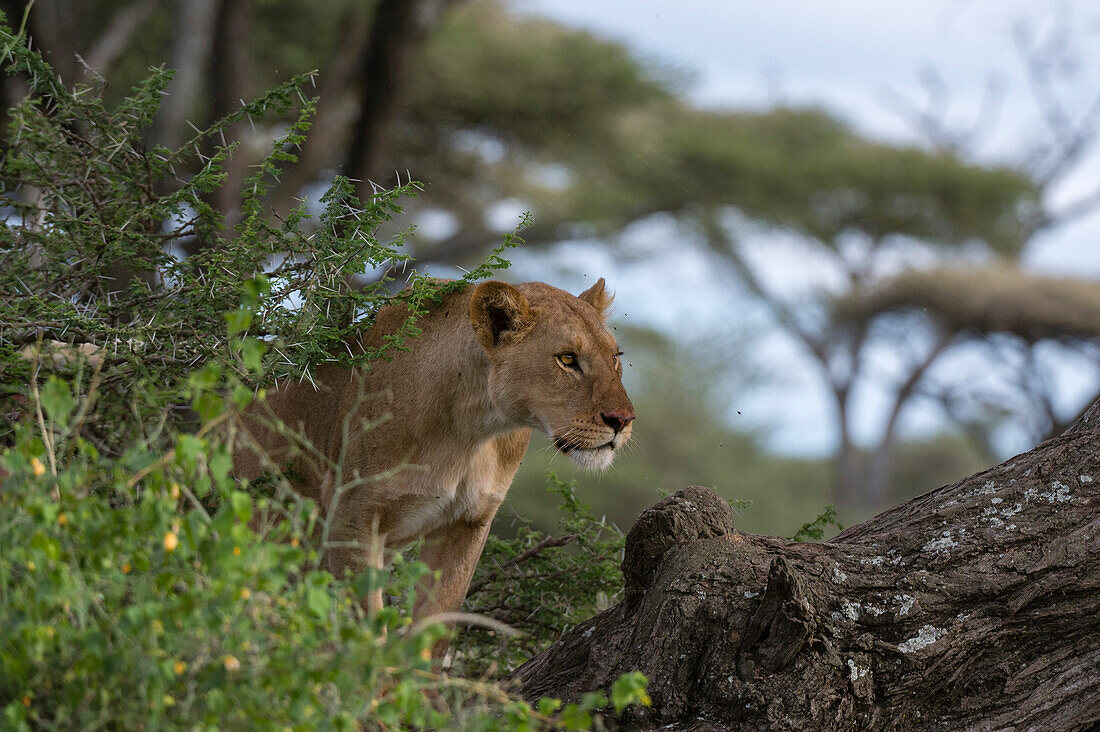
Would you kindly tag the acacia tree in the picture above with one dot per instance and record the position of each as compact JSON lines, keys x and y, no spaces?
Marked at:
{"x":1013,"y":314}
{"x":860,"y":206}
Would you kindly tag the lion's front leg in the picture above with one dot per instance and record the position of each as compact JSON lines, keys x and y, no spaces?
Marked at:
{"x":453,"y":552}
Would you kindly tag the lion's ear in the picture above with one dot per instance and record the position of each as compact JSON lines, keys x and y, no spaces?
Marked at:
{"x":598,"y":297}
{"x":499,"y":313}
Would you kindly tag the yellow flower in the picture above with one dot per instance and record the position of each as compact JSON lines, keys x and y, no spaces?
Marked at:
{"x":232,"y":664}
{"x":31,"y":565}
{"x":246,"y":593}
{"x":62,"y":519}
{"x":294,"y":542}
{"x":126,"y":568}
{"x":426,"y":654}
{"x":158,"y":626}
{"x":37,"y":466}
{"x":179,"y":668}
{"x":236,"y":551}
{"x":27,"y":702}
{"x":171,"y":541}
{"x":175,"y":490}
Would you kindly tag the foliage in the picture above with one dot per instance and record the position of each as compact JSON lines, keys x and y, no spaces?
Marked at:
{"x":499,"y":109}
{"x":988,"y":300}
{"x":203,"y":620}
{"x":91,"y":259}
{"x":815,"y":530}
{"x":503,"y":97}
{"x":115,"y":579}
{"x":540,"y":584}
{"x":135,"y":590}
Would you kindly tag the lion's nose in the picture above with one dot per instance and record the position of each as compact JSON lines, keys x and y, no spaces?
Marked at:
{"x":618,"y":420}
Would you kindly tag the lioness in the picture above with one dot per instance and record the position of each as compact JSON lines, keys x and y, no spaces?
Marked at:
{"x":449,"y":422}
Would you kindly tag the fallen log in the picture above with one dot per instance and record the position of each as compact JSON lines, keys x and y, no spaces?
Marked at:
{"x":974,"y":606}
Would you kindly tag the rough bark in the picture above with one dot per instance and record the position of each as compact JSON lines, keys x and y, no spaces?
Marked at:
{"x":974,"y":606}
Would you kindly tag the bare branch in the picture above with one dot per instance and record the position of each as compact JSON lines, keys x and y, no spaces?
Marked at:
{"x":719,"y":241}
{"x":878,"y":477}
{"x":1082,"y":207}
{"x":116,"y":37}
{"x":546,"y":543}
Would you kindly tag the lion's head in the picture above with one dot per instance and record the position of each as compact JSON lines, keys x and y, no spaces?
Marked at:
{"x":554,"y":366}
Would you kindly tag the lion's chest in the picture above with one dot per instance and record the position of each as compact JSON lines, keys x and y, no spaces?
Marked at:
{"x":449,"y":492}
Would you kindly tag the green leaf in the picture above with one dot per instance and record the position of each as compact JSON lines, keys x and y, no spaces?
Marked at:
{"x":57,"y":400}
{"x":238,"y":320}
{"x":575,"y":718}
{"x":252,"y":353}
{"x":815,"y":530}
{"x":205,"y":378}
{"x":208,"y":404}
{"x":242,"y":396}
{"x":318,"y":601}
{"x":254,"y":289}
{"x":188,"y":449}
{"x":629,"y":689}
{"x":547,"y":706}
{"x":240,"y":501}
{"x":369,"y":580}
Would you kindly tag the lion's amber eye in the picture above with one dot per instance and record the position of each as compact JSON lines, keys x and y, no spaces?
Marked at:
{"x":568,"y":359}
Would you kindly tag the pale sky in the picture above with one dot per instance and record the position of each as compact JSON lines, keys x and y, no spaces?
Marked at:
{"x":842,"y":55}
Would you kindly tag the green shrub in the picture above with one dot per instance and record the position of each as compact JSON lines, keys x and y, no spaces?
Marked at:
{"x":124,"y":604}
{"x":133,"y":592}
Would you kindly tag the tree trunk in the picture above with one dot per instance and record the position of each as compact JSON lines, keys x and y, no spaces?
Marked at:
{"x":849,"y":474}
{"x":189,"y":54}
{"x":230,"y":81}
{"x":393,"y":35}
{"x":974,"y":606}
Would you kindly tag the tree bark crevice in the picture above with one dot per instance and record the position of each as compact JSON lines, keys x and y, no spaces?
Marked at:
{"x":974,"y":606}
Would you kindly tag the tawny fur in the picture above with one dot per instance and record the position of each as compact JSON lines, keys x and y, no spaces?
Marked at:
{"x":438,"y":432}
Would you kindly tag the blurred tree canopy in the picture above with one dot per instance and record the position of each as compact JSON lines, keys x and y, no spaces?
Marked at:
{"x":488,"y":107}
{"x":497,"y":106}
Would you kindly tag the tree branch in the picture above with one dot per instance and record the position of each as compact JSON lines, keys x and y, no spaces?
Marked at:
{"x":720,"y":242}
{"x":879,"y":474}
{"x":534,"y":551}
{"x":116,"y":37}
